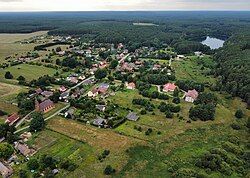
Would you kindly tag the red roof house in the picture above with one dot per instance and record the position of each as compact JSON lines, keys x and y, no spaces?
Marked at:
{"x":131,"y":86}
{"x":169,"y":87}
{"x":191,"y":95}
{"x":12,"y":119}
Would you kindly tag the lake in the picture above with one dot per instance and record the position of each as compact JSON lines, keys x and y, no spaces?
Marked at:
{"x":213,"y":43}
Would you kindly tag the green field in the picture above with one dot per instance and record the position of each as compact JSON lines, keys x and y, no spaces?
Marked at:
{"x":30,"y":72}
{"x":189,"y":69}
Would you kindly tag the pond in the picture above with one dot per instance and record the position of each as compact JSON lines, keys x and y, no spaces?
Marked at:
{"x":213,"y":43}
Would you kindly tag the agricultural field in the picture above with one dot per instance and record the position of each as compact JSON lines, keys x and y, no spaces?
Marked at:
{"x":29,"y":72}
{"x":10,"y":44}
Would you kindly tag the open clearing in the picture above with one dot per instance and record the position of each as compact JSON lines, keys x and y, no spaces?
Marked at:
{"x":29,"y":72}
{"x":9,"y":45}
{"x":144,"y":24}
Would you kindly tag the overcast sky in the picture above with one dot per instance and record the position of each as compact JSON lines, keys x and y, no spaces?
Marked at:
{"x":124,"y":5}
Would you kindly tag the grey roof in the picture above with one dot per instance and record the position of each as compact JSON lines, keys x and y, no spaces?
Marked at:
{"x":132,"y":116}
{"x":100,"y":107}
{"x":99,"y":121}
{"x":65,"y":94}
{"x":47,"y":93}
{"x":104,"y":85}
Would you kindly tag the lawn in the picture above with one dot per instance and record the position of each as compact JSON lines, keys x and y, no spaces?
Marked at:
{"x":30,"y":72}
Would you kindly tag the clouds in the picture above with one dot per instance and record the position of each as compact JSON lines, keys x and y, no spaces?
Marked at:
{"x":95,"y":5}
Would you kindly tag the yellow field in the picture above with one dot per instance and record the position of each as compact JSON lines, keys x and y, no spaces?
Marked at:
{"x":9,"y":47}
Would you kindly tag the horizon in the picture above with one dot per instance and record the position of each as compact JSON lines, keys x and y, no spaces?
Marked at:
{"x":125,"y":5}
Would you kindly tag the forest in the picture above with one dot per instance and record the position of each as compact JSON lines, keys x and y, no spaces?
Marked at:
{"x":181,"y":30}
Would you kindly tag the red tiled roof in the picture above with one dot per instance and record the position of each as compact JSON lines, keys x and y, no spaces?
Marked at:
{"x":192,"y":93}
{"x":13,"y":118}
{"x":169,"y":86}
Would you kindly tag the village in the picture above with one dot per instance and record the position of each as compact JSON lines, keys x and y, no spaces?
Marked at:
{"x":91,"y":78}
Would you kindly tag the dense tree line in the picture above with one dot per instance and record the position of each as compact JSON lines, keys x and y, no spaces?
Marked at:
{"x":233,"y":67}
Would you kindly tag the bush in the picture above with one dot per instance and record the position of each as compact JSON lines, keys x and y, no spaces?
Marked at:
{"x":8,"y":75}
{"x":169,"y":115}
{"x":143,"y":112}
{"x":68,"y":165}
{"x":149,"y":131}
{"x":33,"y":164}
{"x":109,"y":170}
{"x":176,"y":100}
{"x":235,"y":126}
{"x":239,"y":114}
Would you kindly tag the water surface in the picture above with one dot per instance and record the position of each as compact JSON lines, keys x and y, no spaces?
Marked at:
{"x":213,"y":43}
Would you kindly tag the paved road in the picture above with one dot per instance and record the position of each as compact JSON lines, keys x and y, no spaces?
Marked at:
{"x":79,"y":84}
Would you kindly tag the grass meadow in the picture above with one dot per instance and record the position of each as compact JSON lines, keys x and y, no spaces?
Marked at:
{"x":30,"y":72}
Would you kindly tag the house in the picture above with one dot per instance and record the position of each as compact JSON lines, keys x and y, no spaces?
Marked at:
{"x":72,"y":79}
{"x":55,"y":171}
{"x":64,"y":96}
{"x":24,"y":149}
{"x":104,"y":85}
{"x":26,"y":136}
{"x":38,"y":91}
{"x":130,"y":86}
{"x":156,"y":67}
{"x":82,"y":77}
{"x":132,"y":116}
{"x":47,"y":94}
{"x":169,"y":87}
{"x":45,"y":106}
{"x":93,"y":93}
{"x":101,"y":107}
{"x":5,"y":171}
{"x":100,"y":122}
{"x":12,"y":119}
{"x":198,"y":53}
{"x":62,"y":89}
{"x":180,"y":57}
{"x":61,"y":53}
{"x":191,"y":96}
{"x":70,"y":113}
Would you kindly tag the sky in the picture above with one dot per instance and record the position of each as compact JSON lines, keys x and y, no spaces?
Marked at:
{"x":122,"y":5}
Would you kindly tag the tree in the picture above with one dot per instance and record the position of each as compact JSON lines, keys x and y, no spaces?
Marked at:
{"x":109,"y":170}
{"x":239,"y":114}
{"x":33,"y":164}
{"x":100,"y":73}
{"x":113,"y":64}
{"x":8,"y":75}
{"x":21,"y":78}
{"x":37,"y":122}
{"x":58,"y":49}
{"x":176,"y":100}
{"x":23,"y":173}
{"x":55,"y":97}
{"x":6,"y":150}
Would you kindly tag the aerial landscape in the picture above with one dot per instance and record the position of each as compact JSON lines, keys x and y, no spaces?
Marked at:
{"x":149,"y":88}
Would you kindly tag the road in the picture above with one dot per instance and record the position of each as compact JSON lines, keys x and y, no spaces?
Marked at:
{"x":53,"y":115}
{"x":56,"y":113}
{"x":79,"y":84}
